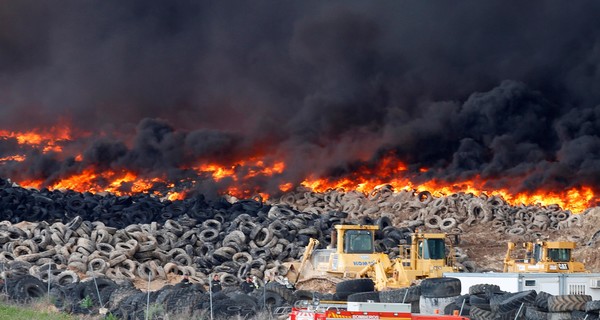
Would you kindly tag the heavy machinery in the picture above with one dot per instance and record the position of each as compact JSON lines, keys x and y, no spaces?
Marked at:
{"x":544,"y":256}
{"x":352,"y":255}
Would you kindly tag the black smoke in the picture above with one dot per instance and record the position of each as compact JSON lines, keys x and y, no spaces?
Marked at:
{"x":463,"y":88}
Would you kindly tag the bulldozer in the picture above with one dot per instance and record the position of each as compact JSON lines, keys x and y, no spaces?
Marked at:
{"x":352,"y":255}
{"x":544,"y":256}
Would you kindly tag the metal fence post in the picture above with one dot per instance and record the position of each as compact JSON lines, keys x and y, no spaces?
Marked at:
{"x":210,"y":297}
{"x":148,"y":297}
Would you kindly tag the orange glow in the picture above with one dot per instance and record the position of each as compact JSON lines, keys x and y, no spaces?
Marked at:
{"x":48,"y":140}
{"x":18,"y":158}
{"x":286,"y":187}
{"x":245,"y":177}
{"x":574,"y":199}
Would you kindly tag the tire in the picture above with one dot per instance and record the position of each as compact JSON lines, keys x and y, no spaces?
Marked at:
{"x":480,"y":301}
{"x":434,"y":305}
{"x":364,"y":297}
{"x":348,"y":287}
{"x":303,"y":295}
{"x":581,"y":315}
{"x":284,"y":292}
{"x":532,"y":313}
{"x":515,"y":301}
{"x":559,"y":316}
{"x":541,"y":300}
{"x":405,"y":295}
{"x":105,"y":288}
{"x":270,"y":300}
{"x":440,"y":287}
{"x":569,"y":302}
{"x":28,"y":288}
{"x":462,"y":298}
{"x":484,"y":288}
{"x":480,"y":314}
{"x":592,"y":306}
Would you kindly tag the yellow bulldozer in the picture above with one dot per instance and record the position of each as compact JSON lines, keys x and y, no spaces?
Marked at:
{"x":352,"y":255}
{"x":544,"y":256}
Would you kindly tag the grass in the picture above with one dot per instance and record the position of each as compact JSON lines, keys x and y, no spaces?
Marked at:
{"x":42,"y":310}
{"x":29,"y":312}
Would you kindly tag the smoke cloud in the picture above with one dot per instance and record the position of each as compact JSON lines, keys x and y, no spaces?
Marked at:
{"x":462,"y":88}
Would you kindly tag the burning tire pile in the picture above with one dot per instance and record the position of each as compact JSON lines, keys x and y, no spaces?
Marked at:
{"x":81,"y":245}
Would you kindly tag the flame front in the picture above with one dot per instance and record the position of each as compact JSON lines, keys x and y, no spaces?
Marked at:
{"x":242,"y":178}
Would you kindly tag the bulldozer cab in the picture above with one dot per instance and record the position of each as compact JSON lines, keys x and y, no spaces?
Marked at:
{"x":358,"y":241}
{"x":434,"y":249}
{"x":352,"y":248}
{"x":555,"y":251}
{"x":428,"y":246}
{"x":544,"y":256}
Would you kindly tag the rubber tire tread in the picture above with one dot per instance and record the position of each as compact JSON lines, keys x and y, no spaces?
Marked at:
{"x":484,"y":288}
{"x":440,"y":287}
{"x":532,"y":313}
{"x":283,"y":291}
{"x":592,"y":306}
{"x":398,"y":295}
{"x":514,"y":302}
{"x":348,"y":287}
{"x":570,"y":302}
{"x":480,"y":314}
{"x":541,"y":300}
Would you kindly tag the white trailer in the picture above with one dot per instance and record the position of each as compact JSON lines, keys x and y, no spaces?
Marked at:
{"x":553,"y":283}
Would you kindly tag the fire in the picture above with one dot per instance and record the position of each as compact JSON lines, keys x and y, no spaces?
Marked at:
{"x":18,"y":158}
{"x":574,"y":199}
{"x":116,"y":182}
{"x":243,"y":178}
{"x":48,"y":140}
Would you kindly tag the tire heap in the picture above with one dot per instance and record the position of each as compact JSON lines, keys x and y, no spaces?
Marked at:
{"x":124,"y":301}
{"x":454,"y":213}
{"x":66,"y":238}
{"x":483,"y":302}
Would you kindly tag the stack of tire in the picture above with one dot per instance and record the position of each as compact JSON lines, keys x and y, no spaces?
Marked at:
{"x":124,"y":301}
{"x":431,"y":295}
{"x":437,"y":294}
{"x":410,"y":295}
{"x":572,"y":306}
{"x":488,"y":302}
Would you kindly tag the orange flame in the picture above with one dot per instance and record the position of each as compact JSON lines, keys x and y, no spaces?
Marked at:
{"x":242,"y":175}
{"x":48,"y":140}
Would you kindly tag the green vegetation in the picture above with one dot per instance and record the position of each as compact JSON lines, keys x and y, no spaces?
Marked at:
{"x":29,"y":312}
{"x":87,"y":302}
